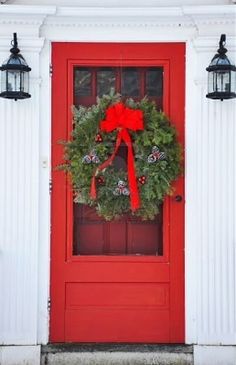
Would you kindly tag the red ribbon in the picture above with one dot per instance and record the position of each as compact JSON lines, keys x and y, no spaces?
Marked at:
{"x":122,"y":118}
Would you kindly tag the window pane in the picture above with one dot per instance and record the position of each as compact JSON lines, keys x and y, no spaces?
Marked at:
{"x":154,"y":81}
{"x":83,"y":82}
{"x":145,"y":237}
{"x":129,"y":235}
{"x":105,"y":81}
{"x":130,"y":82}
{"x":88,"y":233}
{"x":126,"y":236}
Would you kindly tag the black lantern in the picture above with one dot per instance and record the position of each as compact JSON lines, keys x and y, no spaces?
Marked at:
{"x":222,"y":75}
{"x":15,"y":75}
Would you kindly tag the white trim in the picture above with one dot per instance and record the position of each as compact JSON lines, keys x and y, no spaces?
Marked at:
{"x":119,"y":11}
{"x":214,"y":355}
{"x":211,"y":44}
{"x":25,"y":44}
{"x":184,"y":15}
{"x":209,"y":10}
{"x":45,"y":203}
{"x":190,"y":199}
{"x":20,"y":355}
{"x":27,"y":9}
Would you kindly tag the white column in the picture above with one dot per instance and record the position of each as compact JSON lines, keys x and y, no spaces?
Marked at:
{"x":19,"y":200}
{"x":210,"y":211}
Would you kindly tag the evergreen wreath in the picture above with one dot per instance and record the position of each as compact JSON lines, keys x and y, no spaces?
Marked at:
{"x":89,"y":157}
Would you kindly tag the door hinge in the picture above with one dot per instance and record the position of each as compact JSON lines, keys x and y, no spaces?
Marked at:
{"x":49,"y":304}
{"x":50,"y":186}
{"x":50,"y":69}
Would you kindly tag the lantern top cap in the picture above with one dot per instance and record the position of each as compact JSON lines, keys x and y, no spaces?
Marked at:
{"x":220,"y":61}
{"x":16,"y":61}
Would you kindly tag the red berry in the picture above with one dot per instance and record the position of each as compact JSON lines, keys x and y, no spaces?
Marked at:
{"x":100,"y":180}
{"x":142,"y":179}
{"x":98,"y":138}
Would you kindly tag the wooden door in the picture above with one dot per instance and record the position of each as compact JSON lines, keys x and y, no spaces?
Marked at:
{"x":121,"y":281}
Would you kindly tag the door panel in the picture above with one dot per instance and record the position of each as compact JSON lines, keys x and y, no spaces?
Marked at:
{"x":116,"y":289}
{"x":117,"y":325}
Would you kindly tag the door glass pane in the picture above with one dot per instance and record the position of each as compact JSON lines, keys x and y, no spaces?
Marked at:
{"x":145,"y":237}
{"x":126,"y":236}
{"x":82,"y":82}
{"x":130,"y":83}
{"x":129,"y":235}
{"x":88,"y":232}
{"x":105,"y":80}
{"x":154,"y":81}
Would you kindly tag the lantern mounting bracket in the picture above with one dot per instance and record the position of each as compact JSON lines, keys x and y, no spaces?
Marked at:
{"x":222,"y":50}
{"x":14,"y":50}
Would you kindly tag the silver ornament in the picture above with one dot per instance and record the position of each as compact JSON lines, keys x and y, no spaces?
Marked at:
{"x":155,"y":155}
{"x":121,"y":184}
{"x":121,"y":189}
{"x":91,"y":158}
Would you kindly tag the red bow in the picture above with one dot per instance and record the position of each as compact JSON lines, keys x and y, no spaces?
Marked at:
{"x":122,"y":118}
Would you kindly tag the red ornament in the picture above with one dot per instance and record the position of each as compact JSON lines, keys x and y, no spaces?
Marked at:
{"x":142,"y":179}
{"x":98,"y":138}
{"x":100,"y":180}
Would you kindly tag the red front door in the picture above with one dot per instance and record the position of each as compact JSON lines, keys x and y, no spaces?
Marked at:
{"x":121,"y":281}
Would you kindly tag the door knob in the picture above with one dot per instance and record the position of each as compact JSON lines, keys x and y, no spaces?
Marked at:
{"x":178,"y":198}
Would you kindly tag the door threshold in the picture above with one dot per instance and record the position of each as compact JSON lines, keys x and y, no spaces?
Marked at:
{"x":114,"y":347}
{"x":116,"y":354}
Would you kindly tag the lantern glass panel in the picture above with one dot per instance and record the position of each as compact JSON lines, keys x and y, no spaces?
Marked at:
{"x":233,"y":81}
{"x":222,"y":81}
{"x":13,"y":83}
{"x":211,"y":82}
{"x":25,"y":81}
{"x":3,"y":81}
